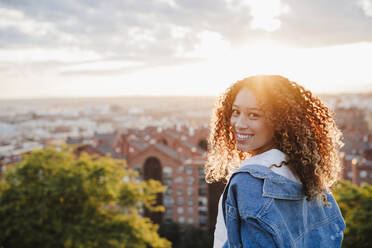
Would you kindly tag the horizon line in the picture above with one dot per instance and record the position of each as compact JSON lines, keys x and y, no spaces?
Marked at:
{"x":155,"y":96}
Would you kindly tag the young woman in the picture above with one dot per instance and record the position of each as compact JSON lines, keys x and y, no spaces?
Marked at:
{"x":276,"y":146}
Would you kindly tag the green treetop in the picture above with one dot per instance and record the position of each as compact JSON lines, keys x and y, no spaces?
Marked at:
{"x":53,"y":199}
{"x":356,"y":207}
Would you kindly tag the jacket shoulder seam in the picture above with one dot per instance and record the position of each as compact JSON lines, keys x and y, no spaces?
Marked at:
{"x":321,"y":223}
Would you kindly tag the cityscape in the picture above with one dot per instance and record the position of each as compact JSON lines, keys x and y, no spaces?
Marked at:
{"x":163,"y":138}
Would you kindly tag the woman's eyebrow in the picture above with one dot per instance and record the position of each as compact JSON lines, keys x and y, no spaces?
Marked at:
{"x":254,"y":109}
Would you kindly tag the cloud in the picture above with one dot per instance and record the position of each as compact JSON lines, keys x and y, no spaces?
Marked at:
{"x":325,"y":23}
{"x":11,"y":18}
{"x":113,"y":67}
{"x":160,"y":32}
{"x":366,"y":5}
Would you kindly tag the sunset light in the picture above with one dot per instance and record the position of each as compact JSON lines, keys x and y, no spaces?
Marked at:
{"x":115,"y":55}
{"x":175,"y":123}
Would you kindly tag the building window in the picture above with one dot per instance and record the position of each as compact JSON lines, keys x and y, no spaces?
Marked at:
{"x":140,"y":211}
{"x":203,"y":144}
{"x":179,"y":180}
{"x":190,"y":201}
{"x":180,"y":169}
{"x":163,"y":141}
{"x":201,"y":181}
{"x":190,"y":220}
{"x":179,"y":191}
{"x":189,"y":170}
{"x":350,"y":174}
{"x":190,"y":180}
{"x":180,"y":200}
{"x":202,"y":213}
{"x":190,"y":210}
{"x":167,"y":181}
{"x":202,"y":221}
{"x":180,"y":210}
{"x":189,"y":190}
{"x":168,"y":192}
{"x":138,"y":170}
{"x":138,"y":179}
{"x":202,"y":191}
{"x":363,"y":174}
{"x":181,"y":220}
{"x":168,"y":211}
{"x":370,"y":175}
{"x":167,"y":171}
{"x":168,"y":201}
{"x":202,"y":201}
{"x":201,"y":171}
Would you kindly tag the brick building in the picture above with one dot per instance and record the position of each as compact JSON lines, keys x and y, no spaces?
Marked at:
{"x":357,"y":152}
{"x":176,"y":157}
{"x":358,"y":168}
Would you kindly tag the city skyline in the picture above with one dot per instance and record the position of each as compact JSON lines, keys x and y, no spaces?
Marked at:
{"x":170,"y":47}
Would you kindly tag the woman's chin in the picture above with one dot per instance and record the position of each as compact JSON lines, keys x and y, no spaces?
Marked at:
{"x":244,"y":148}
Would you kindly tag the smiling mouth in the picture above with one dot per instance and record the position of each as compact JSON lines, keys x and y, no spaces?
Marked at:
{"x":243,"y":137}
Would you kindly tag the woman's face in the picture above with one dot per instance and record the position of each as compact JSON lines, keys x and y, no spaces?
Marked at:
{"x":251,"y":131}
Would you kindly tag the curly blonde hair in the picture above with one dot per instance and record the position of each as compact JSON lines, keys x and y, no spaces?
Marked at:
{"x":304,"y":129}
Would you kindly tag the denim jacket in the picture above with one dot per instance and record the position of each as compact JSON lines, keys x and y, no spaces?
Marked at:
{"x":264,"y":209}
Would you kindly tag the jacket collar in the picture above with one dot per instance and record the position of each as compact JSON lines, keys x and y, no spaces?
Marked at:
{"x":275,"y":185}
{"x":267,"y":158}
{"x":273,"y":156}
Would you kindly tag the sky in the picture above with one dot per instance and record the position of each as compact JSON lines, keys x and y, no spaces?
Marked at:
{"x":83,"y":48}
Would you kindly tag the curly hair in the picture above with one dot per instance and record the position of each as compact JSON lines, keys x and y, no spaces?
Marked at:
{"x":304,"y":129}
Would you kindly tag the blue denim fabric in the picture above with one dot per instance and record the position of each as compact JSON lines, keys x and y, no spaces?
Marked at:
{"x":264,"y":209}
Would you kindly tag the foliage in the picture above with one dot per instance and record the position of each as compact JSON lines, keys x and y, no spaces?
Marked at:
{"x":53,"y":199}
{"x":172,"y":232}
{"x":196,"y":237}
{"x":186,"y":236}
{"x":356,"y":207}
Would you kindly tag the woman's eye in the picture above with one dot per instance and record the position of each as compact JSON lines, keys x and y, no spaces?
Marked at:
{"x":253,"y":115}
{"x":235,"y":112}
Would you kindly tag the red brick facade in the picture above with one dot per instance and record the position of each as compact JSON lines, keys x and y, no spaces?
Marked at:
{"x":181,"y":160}
{"x":358,"y":169}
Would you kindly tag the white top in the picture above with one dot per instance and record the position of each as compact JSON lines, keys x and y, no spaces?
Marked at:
{"x":273,"y":156}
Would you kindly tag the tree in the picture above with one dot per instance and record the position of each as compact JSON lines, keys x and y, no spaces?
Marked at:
{"x":186,"y":236}
{"x":196,"y":237}
{"x":356,"y":207}
{"x":172,"y":232}
{"x":53,"y":199}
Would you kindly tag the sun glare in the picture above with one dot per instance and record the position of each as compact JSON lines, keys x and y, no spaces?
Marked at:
{"x":265,"y":14}
{"x":215,"y":61}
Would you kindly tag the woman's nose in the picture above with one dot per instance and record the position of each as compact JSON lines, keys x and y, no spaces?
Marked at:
{"x":242,"y":122}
